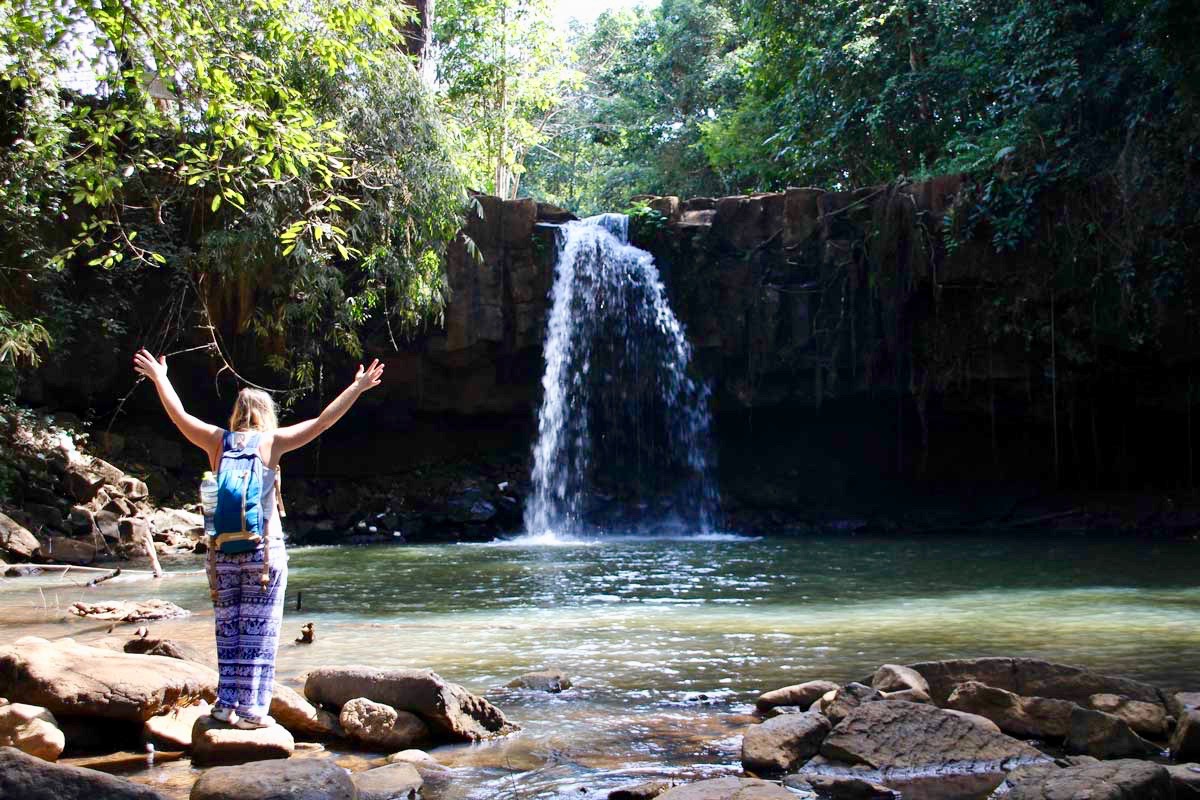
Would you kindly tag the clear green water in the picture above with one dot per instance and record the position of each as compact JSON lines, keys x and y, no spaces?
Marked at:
{"x":669,"y":641}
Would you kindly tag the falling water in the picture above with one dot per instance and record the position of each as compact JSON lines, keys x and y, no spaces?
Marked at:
{"x":621,"y":423}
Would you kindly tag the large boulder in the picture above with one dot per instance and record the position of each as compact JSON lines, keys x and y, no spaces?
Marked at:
{"x":1147,"y":719}
{"x":1101,"y":735}
{"x":728,"y":789}
{"x":69,"y":678}
{"x":910,"y":735}
{"x":449,"y":709}
{"x":25,"y":777}
{"x":381,"y":726}
{"x":216,"y":743}
{"x":32,"y":730}
{"x":782,"y":743}
{"x":801,"y":695}
{"x":895,"y":678}
{"x":392,"y":782}
{"x":1125,"y":779}
{"x":16,"y":541}
{"x":1030,"y":678}
{"x":301,"y":779}
{"x":1026,"y":717}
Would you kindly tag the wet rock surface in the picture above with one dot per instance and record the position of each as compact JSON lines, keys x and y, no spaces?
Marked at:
{"x":1030,"y":678}
{"x":392,"y":782}
{"x":728,"y":789}
{"x":1026,"y":717}
{"x":300,"y":779}
{"x":1101,"y":735}
{"x":25,"y":777}
{"x":551,"y":680}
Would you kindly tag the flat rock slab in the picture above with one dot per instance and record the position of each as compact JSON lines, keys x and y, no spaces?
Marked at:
{"x":71,"y":679}
{"x":217,"y":743}
{"x":393,"y":782}
{"x":1030,"y":677}
{"x":302,"y":779}
{"x":910,"y":735}
{"x":782,"y":743}
{"x":449,"y":709}
{"x":24,"y":777}
{"x":129,"y":610}
{"x":1124,"y":779}
{"x":728,"y":789}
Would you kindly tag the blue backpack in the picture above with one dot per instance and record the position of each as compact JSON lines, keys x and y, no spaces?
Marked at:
{"x":240,"y":521}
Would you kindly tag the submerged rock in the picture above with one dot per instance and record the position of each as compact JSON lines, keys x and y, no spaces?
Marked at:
{"x":551,"y":680}
{"x":382,"y":726}
{"x":72,"y":679}
{"x":802,"y":695}
{"x":782,"y":743}
{"x":301,"y":779}
{"x":31,"y":729}
{"x":425,"y":764}
{"x":728,"y":789}
{"x":909,"y":735}
{"x":218,"y":743}
{"x":393,"y":782}
{"x":25,"y":777}
{"x":1026,"y":717}
{"x":1101,"y":735}
{"x":449,"y":709}
{"x":1124,"y":779}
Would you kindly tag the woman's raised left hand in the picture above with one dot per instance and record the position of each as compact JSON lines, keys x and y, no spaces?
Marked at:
{"x":370,"y":377}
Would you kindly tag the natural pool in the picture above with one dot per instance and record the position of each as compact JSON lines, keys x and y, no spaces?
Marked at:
{"x":670,"y":640}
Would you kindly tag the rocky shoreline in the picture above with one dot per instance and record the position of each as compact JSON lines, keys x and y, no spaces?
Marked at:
{"x":965,"y":729}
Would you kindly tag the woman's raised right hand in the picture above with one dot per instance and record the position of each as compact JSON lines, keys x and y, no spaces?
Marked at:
{"x":370,"y":377}
{"x":145,"y":364}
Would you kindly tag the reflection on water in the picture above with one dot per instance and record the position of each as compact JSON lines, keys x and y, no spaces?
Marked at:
{"x":670,"y":641}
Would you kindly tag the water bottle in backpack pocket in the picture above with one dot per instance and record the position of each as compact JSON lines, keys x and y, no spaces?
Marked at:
{"x":240,"y":520}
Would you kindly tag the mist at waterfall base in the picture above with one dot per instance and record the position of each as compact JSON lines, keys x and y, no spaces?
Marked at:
{"x":623,"y":431}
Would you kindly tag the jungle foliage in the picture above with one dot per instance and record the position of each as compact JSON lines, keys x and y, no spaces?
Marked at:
{"x":292,"y":148}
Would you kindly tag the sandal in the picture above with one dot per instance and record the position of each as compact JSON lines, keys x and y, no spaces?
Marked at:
{"x":253,"y":723}
{"x":225,"y":715}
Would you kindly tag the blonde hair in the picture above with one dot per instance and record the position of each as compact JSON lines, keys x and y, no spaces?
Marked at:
{"x":254,"y":410}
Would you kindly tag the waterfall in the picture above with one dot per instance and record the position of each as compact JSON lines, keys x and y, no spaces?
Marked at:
{"x":622,"y":423}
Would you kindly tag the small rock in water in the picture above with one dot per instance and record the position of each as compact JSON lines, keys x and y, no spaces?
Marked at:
{"x":550,"y":680}
{"x":641,"y":791}
{"x":306,"y":634}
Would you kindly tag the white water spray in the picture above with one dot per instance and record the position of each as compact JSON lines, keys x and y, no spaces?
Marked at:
{"x":619,"y":406}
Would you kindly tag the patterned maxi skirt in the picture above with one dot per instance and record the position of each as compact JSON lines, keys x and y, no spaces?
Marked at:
{"x":248,"y":621}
